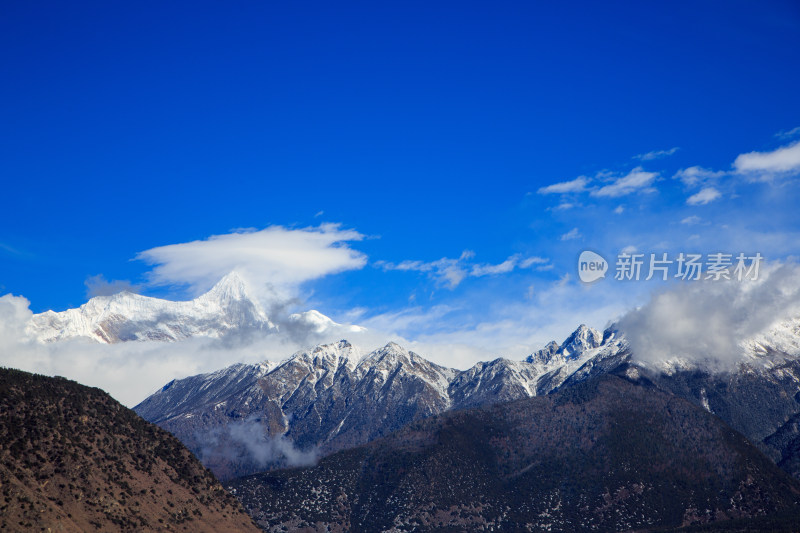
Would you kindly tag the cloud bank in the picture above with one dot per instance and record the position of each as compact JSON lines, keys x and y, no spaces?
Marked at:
{"x":705,"y":322}
{"x":130,"y":371}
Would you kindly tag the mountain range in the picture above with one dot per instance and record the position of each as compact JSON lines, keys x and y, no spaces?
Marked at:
{"x":334,"y":397}
{"x":608,"y":454}
{"x":326,"y":402}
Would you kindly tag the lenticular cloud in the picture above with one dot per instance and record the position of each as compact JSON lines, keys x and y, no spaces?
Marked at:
{"x":275,"y":260}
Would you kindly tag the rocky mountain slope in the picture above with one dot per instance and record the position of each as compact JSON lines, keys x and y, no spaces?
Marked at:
{"x":326,"y":399}
{"x":607,"y":454}
{"x":73,"y":459}
{"x":333,"y":397}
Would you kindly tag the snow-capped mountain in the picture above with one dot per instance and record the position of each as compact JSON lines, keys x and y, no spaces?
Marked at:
{"x":334,"y":397}
{"x":331,"y":397}
{"x":126,"y":316}
{"x":782,"y":339}
{"x":227,"y":307}
{"x":582,"y":339}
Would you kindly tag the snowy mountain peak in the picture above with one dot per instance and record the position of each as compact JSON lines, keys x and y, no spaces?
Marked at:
{"x":231,"y":287}
{"x":126,"y":316}
{"x":582,"y":339}
{"x":329,"y":356}
{"x":391,"y":351}
{"x":545,"y":355}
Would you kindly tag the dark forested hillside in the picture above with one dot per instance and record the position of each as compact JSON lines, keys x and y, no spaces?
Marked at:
{"x":607,"y":454}
{"x":73,"y":459}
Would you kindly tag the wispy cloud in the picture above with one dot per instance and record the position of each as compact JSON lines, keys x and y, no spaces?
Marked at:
{"x":705,"y":196}
{"x":704,"y":185}
{"x":604,"y":184}
{"x":449,"y":272}
{"x":99,"y":286}
{"x":656,"y":154}
{"x":691,"y":220}
{"x":788,"y":134}
{"x":637,"y":180}
{"x":573,"y":186}
{"x":531,"y":261}
{"x":572,"y":234}
{"x":563,"y":206}
{"x":501,"y":268}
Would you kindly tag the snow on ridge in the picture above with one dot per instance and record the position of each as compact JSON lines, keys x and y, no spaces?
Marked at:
{"x":126,"y":316}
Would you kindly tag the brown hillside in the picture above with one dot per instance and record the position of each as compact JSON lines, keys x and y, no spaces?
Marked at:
{"x":73,"y":459}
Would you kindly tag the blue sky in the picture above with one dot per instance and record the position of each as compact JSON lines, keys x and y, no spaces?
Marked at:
{"x":426,"y":130}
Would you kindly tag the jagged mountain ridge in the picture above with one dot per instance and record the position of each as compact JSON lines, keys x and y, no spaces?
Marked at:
{"x":330,"y":397}
{"x":227,"y":308}
{"x":333,"y":397}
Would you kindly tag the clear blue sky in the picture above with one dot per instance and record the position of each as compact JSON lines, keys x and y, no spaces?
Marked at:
{"x":428,"y":127}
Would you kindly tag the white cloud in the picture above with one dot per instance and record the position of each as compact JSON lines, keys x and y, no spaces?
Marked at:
{"x":275,"y":260}
{"x":656,"y":154}
{"x":99,"y":286}
{"x":530,"y":261}
{"x":450,"y":272}
{"x":767,"y":165}
{"x":577,"y":185}
{"x":447,"y":272}
{"x":619,"y":209}
{"x":571,"y":234}
{"x":486,"y":270}
{"x":530,"y":292}
{"x":691,"y":220}
{"x":637,"y":180}
{"x":694,"y":176}
{"x":706,"y":321}
{"x":789,"y":133}
{"x":563,"y":206}
{"x":705,"y":196}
